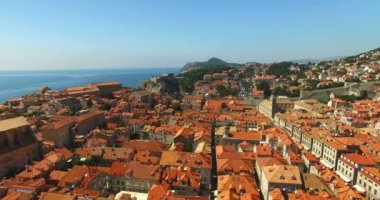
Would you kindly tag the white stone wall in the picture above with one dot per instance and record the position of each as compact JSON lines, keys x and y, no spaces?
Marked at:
{"x":372,"y":189}
{"x":317,"y":148}
{"x":329,"y":155}
{"x":346,"y":170}
{"x":264,"y":186}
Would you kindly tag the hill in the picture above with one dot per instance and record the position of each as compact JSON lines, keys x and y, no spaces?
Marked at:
{"x":369,"y":56}
{"x":212,"y":62}
{"x":315,"y":60}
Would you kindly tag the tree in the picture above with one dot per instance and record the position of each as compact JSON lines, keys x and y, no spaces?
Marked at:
{"x":145,"y":136}
{"x":312,"y":83}
{"x":187,"y":79}
{"x":78,"y":161}
{"x":187,"y":147}
{"x":186,"y":84}
{"x":89,"y":103}
{"x":231,"y":73}
{"x":107,"y":106}
{"x":223,"y":91}
{"x":223,"y":105}
{"x":135,"y":136}
{"x":341,"y":72}
{"x":279,"y":91}
{"x":247,"y":85}
{"x":72,"y":113}
{"x":265,"y":87}
{"x":249,"y":71}
{"x":294,"y":83}
{"x":279,"y":69}
{"x":352,"y":98}
{"x":353,"y":79}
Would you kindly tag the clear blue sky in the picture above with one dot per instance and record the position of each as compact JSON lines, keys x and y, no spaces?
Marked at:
{"x":168,"y":33}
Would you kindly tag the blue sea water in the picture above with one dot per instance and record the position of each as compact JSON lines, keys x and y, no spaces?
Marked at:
{"x":17,"y":83}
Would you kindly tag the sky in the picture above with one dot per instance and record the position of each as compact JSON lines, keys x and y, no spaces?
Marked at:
{"x":79,"y":34}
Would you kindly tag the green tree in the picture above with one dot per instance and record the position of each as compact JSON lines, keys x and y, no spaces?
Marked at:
{"x":187,"y":79}
{"x":187,"y":147}
{"x":353,"y":79}
{"x":186,"y":84}
{"x":281,"y":91}
{"x":294,"y":83}
{"x":265,"y":87}
{"x":223,"y":91}
{"x":341,"y":72}
{"x":279,"y":69}
{"x":249,"y":71}
{"x":78,"y":161}
{"x":312,"y":83}
{"x":89,"y":103}
{"x":135,"y":136}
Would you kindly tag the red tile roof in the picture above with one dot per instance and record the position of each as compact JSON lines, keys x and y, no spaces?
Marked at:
{"x":136,"y":170}
{"x":156,"y":192}
{"x":238,"y":183}
{"x":145,"y":145}
{"x":372,"y":173}
{"x":193,"y":160}
{"x":234,"y":165}
{"x":352,"y":159}
{"x":75,"y":175}
{"x":245,"y":135}
{"x":179,"y":176}
{"x":269,"y":161}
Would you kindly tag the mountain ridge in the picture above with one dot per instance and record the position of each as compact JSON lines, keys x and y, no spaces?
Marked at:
{"x":212,"y":62}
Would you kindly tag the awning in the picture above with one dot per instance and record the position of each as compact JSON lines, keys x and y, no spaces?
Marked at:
{"x":359,"y":188}
{"x":327,"y":164}
{"x":344,"y":177}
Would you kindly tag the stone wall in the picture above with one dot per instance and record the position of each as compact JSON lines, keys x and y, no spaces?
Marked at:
{"x":348,"y":89}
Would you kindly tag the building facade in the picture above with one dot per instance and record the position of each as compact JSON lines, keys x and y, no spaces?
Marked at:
{"x":368,"y":180}
{"x":18,"y":146}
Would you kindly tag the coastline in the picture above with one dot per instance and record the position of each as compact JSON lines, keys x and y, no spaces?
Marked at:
{"x":14,"y":84}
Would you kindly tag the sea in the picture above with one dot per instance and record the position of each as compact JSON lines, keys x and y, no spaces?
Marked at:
{"x":15,"y":84}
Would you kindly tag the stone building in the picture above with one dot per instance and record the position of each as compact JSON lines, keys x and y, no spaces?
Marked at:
{"x":107,"y":88}
{"x":18,"y":146}
{"x":133,"y":176}
{"x":349,"y":164}
{"x":63,"y":129}
{"x":368,"y":180}
{"x":285,"y":177}
{"x":274,"y":105}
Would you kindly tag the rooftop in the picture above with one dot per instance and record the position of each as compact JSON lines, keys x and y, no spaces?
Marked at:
{"x":285,"y":174}
{"x":13,"y":123}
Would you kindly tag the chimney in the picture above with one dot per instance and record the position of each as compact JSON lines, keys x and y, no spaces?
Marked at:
{"x":28,"y":169}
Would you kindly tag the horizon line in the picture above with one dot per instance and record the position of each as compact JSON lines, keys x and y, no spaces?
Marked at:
{"x":83,"y":69}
